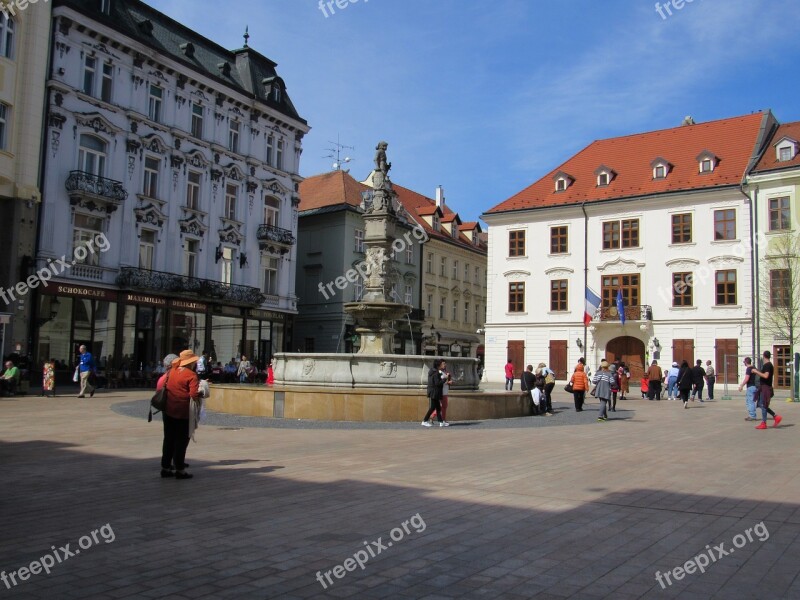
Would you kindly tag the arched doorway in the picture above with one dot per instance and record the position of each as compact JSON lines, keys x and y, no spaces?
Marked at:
{"x":629,"y":350}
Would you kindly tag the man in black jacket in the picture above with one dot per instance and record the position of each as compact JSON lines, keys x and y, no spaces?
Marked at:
{"x":437,"y":376}
{"x":527,"y":383}
{"x":698,"y":380}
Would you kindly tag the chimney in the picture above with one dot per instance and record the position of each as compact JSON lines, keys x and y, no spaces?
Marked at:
{"x":440,"y":197}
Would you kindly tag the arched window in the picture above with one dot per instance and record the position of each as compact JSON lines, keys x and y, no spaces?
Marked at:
{"x":6,"y":36}
{"x":92,"y":155}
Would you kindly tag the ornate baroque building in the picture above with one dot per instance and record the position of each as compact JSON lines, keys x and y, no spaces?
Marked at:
{"x":179,"y":160}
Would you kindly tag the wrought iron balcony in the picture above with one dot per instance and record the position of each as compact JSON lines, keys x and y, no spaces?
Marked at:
{"x":87,"y":187}
{"x":270,"y":233}
{"x":198,"y":289}
{"x":642,"y":312}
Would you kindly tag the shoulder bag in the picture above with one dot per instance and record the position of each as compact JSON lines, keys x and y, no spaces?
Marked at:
{"x":159,"y":400}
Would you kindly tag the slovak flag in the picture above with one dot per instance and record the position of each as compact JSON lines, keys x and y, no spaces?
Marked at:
{"x":621,"y":306}
{"x":592,"y":302}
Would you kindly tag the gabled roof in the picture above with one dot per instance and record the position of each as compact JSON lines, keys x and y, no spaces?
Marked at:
{"x":330,"y":189}
{"x":734,"y":141}
{"x":770,"y":162}
{"x":246,"y":71}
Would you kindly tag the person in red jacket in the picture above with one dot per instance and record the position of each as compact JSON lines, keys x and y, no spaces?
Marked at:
{"x":509,"y":375}
{"x":182,"y":389}
{"x":580,"y":385}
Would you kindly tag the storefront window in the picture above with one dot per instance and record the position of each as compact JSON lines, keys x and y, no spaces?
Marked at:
{"x":186,"y":331}
{"x":105,"y":321}
{"x":277,"y":337}
{"x":252,"y":344}
{"x":226,"y":336}
{"x":55,"y":315}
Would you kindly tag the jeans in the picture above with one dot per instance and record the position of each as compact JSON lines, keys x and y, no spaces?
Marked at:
{"x":603,"y":408}
{"x":750,"y":401}
{"x":434,"y":405}
{"x":579,"y":398}
{"x":710,"y":383}
{"x":698,"y":389}
{"x":548,"y":394}
{"x":672,"y":387}
{"x":176,"y":440}
{"x":509,"y":383}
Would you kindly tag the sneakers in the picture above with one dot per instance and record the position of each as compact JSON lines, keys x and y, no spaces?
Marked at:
{"x":426,"y":424}
{"x":602,"y":419}
{"x":685,"y":404}
{"x":548,"y":414}
{"x":183,"y":475}
{"x":778,"y":420}
{"x":761,"y":425}
{"x":750,"y":419}
{"x":167,"y":473}
{"x":444,"y":424}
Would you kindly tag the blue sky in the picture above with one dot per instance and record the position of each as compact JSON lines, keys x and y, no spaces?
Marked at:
{"x":485,"y":97}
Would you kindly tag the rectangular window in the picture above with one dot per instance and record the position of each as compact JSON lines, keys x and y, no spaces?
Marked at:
{"x":783,"y":358}
{"x":279,"y":156}
{"x":726,"y":287}
{"x":89,"y":72}
{"x":4,"y":114}
{"x":466,"y":273}
{"x":780,"y":288}
{"x":429,"y":265}
{"x":409,"y":254}
{"x":233,"y":136}
{"x":429,"y":307}
{"x":610,"y":235}
{"x":558,"y":240}
{"x":477,"y":314}
{"x":441,"y":308}
{"x":230,"y":202}
{"x":477,"y":275}
{"x":455,"y":269}
{"x":190,"y":258}
{"x":309,"y":344}
{"x":358,"y":289}
{"x":725,"y":224}
{"x":682,"y":228}
{"x":107,"y":85}
{"x":408,"y":296}
{"x":682,"y":291}
{"x":270,"y":267}
{"x":154,"y":106}
{"x":197,"y":120}
{"x":150,"y":187}
{"x":227,"y":266}
{"x":558,"y":295}
{"x":660,"y":172}
{"x":779,"y":214}
{"x":85,"y":230}
{"x":359,"y":240}
{"x":193,"y":191}
{"x":466,"y":312}
{"x":272,"y":211}
{"x":706,"y":166}
{"x":611,"y":284}
{"x":147,"y":248}
{"x":454,"y":313}
{"x":516,"y":243}
{"x":785,"y":153}
{"x":443,"y":267}
{"x":630,"y":233}
{"x":516,"y":297}
{"x":270,"y":148}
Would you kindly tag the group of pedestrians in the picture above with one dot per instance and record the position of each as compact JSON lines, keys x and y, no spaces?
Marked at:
{"x":439,"y":380}
{"x":759,"y":390}
{"x":539,"y":385}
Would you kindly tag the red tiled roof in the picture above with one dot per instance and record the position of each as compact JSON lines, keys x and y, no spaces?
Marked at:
{"x":469,"y":226}
{"x":770,"y":162}
{"x":330,"y":189}
{"x":732,"y":140}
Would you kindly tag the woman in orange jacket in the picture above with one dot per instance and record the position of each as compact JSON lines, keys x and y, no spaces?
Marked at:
{"x":580,"y":385}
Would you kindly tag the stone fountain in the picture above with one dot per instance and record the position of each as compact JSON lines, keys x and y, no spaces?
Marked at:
{"x":372,"y":385}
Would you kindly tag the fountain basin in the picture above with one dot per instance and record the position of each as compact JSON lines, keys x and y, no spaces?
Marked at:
{"x":364,"y":371}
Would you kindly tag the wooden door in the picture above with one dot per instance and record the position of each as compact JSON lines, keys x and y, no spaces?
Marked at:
{"x":683,"y":350}
{"x":558,"y":358}
{"x":516,"y":352}
{"x":781,"y":357}
{"x":729,"y":347}
{"x":629,"y":350}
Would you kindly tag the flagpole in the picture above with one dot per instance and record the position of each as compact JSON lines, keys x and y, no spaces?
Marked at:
{"x":585,"y":268}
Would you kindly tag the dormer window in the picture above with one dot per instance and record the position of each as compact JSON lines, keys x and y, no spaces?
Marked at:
{"x":786,"y":149}
{"x":562,"y":181}
{"x":105,"y":7}
{"x":660,"y":168}
{"x":604,"y":175}
{"x":706,"y":161}
{"x":276,"y":93}
{"x":436,"y":224}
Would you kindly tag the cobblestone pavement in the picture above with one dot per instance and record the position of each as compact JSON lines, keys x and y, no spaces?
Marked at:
{"x":565,"y":507}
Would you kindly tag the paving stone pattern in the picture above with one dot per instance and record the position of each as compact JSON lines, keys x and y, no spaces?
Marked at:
{"x":544,"y":507}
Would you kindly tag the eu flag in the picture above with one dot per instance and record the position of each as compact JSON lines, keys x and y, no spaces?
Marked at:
{"x":621,"y":307}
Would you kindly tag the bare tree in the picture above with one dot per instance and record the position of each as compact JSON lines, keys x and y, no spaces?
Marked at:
{"x":780,"y":285}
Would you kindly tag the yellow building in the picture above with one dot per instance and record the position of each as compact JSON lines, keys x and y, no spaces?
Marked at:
{"x":24,"y":49}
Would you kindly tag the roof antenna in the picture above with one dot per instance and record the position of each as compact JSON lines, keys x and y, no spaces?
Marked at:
{"x":246,"y":35}
{"x":336,"y":153}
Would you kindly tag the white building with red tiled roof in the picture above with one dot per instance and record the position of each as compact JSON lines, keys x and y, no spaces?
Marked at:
{"x":660,"y":217}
